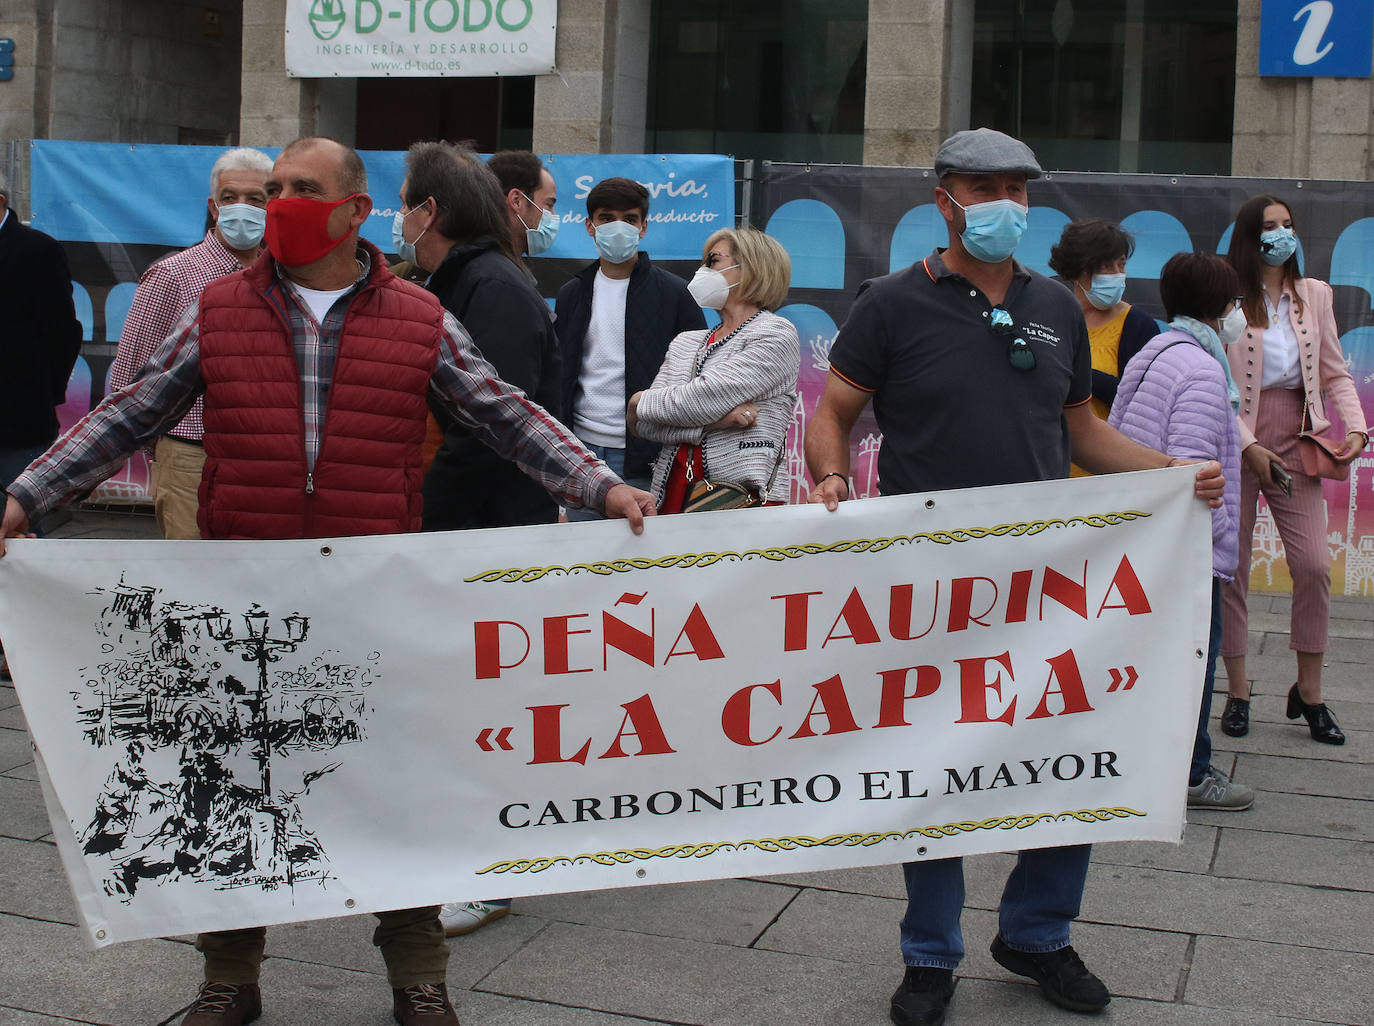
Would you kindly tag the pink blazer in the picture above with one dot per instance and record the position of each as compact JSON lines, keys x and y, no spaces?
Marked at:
{"x":1324,"y":374}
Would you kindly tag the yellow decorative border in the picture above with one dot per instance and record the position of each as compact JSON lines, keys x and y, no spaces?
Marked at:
{"x":686,"y":560}
{"x":780,"y":844}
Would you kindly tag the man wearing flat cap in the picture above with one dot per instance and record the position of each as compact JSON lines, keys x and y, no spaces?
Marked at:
{"x":979,"y":371}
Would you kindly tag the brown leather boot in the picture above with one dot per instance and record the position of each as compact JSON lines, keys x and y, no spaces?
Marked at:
{"x":225,"y":1004}
{"x":424,"y":1004}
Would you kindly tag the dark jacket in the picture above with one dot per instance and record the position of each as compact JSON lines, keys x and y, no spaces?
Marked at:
{"x":40,"y":336}
{"x":366,"y":479}
{"x":658,"y":308}
{"x":468,"y":484}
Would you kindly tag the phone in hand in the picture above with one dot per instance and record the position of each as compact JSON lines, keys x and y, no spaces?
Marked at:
{"x":1281,"y":477}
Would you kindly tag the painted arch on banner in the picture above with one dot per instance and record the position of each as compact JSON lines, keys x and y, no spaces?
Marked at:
{"x":242,"y":733}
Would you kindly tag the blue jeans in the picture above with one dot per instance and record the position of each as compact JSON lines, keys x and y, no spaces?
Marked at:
{"x":615,"y":459}
{"x":1039,"y":902}
{"x":1202,"y":745}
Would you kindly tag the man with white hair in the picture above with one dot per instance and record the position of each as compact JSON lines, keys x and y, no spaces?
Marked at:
{"x":237,"y":214}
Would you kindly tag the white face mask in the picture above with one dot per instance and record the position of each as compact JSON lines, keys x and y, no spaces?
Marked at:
{"x":539,"y":238}
{"x":709,"y":287}
{"x":1232,"y":326}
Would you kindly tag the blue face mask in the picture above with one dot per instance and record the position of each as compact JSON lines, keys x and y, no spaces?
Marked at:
{"x":1277,"y":245}
{"x":1107,"y":290}
{"x":617,"y":241}
{"x":241,"y":225}
{"x":405,"y":250}
{"x":540,"y":238}
{"x":992,"y":229}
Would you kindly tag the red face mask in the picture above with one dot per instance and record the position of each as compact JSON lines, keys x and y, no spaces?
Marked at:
{"x":297,"y":231}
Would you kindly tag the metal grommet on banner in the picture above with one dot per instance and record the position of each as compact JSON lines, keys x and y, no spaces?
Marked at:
{"x":99,"y":934}
{"x":1198,"y":654}
{"x":921,"y":850}
{"x":349,"y":903}
{"x":641,"y":873}
{"x":326,"y":550}
{"x":930,"y":504}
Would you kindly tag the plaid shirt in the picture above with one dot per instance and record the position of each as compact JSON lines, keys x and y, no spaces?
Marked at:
{"x":164,"y":292}
{"x":463,"y":382}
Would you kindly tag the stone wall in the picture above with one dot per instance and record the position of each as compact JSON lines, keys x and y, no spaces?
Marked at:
{"x":1298,"y":127}
{"x":141,"y":70}
{"x":909,"y":105}
{"x":597,"y":101}
{"x":277,"y":109}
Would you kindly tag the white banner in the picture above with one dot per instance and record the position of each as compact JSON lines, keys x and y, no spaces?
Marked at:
{"x":247,"y":733}
{"x":419,"y":38}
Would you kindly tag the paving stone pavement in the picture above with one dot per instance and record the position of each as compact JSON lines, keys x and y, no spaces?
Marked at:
{"x":1258,"y":918}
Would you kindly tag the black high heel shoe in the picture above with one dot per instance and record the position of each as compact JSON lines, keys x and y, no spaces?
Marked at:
{"x":1235,"y":718}
{"x":1319,"y":719}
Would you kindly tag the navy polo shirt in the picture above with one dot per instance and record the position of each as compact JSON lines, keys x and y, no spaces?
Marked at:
{"x":953,"y":411}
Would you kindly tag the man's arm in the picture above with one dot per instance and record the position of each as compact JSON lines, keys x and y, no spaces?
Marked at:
{"x":124,"y":420}
{"x":827,"y":440}
{"x":1101,"y":449}
{"x":521,"y":430}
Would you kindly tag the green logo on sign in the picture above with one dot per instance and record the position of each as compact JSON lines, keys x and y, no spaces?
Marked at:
{"x":326,"y":18}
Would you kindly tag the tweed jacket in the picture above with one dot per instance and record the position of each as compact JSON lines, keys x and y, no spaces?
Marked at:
{"x":1324,"y":373}
{"x":757,"y":363}
{"x":1172,"y":397}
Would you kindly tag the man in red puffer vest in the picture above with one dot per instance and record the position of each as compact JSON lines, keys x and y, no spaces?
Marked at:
{"x":316,"y":363}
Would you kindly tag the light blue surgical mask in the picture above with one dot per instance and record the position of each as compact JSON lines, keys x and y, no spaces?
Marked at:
{"x":241,"y":225}
{"x":1107,"y":290}
{"x":405,"y":250}
{"x":1277,"y":245}
{"x":617,"y":241}
{"x":993,"y":229}
{"x":540,"y":238}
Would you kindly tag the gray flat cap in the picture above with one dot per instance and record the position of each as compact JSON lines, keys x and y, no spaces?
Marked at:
{"x":984,"y":151}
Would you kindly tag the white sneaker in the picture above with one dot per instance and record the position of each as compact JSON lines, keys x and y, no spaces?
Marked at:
{"x":1220,"y":793}
{"x":462,"y":917}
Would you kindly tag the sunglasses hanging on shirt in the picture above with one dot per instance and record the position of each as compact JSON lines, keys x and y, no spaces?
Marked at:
{"x":1019,"y":353}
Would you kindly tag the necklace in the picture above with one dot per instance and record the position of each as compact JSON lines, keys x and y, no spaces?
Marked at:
{"x":712,"y":342}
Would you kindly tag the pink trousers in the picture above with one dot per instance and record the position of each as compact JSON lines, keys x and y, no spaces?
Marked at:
{"x":1301,"y":521}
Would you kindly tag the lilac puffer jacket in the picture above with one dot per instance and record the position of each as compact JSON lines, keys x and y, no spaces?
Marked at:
{"x":1173,"y":398}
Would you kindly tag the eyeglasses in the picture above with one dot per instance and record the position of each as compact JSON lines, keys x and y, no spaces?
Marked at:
{"x":1019,"y":353}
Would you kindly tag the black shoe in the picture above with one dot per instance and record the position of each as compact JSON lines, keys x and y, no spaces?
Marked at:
{"x":924,"y":996}
{"x":1319,"y":719}
{"x":1062,"y":976}
{"x":1235,"y":718}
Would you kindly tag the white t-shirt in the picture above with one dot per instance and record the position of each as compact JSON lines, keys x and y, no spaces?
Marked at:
{"x":1280,"y":348}
{"x":318,"y":302}
{"x":599,"y":409}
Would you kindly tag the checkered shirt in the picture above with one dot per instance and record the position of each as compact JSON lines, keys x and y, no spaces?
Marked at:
{"x":164,"y":292}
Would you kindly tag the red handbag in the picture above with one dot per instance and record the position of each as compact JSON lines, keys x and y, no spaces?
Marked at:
{"x":1319,"y":452}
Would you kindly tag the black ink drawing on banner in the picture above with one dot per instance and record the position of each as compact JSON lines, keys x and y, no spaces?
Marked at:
{"x":197,"y":732}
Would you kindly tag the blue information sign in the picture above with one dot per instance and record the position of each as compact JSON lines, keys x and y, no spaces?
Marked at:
{"x":1316,"y":38}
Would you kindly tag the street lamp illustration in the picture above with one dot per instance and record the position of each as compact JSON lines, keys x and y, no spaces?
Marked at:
{"x":259,"y":646}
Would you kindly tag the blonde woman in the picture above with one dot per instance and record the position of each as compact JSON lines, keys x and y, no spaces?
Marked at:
{"x":722,"y":401}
